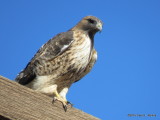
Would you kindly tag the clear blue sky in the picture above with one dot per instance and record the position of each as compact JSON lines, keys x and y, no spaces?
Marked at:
{"x":126,"y":77}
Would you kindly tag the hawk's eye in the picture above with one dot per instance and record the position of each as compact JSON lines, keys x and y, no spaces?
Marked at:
{"x":91,"y":21}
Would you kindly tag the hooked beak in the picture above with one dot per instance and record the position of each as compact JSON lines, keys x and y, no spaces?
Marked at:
{"x":99,"y":26}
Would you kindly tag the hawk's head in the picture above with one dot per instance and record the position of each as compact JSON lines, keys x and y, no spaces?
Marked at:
{"x":90,"y":24}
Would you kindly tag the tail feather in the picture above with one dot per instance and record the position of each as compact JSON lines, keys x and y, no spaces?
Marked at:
{"x":25,"y":77}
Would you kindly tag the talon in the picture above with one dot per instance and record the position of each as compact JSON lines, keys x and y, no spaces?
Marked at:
{"x":69,"y":103}
{"x":54,"y":99}
{"x":64,"y":102}
{"x":65,"y":107}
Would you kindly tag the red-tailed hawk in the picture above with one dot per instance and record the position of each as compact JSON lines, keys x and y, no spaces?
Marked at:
{"x":63,"y":60}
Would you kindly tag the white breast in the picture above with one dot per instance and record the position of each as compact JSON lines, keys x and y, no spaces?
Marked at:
{"x":82,"y":51}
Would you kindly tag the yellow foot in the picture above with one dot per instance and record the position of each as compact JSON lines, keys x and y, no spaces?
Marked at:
{"x":64,"y":102}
